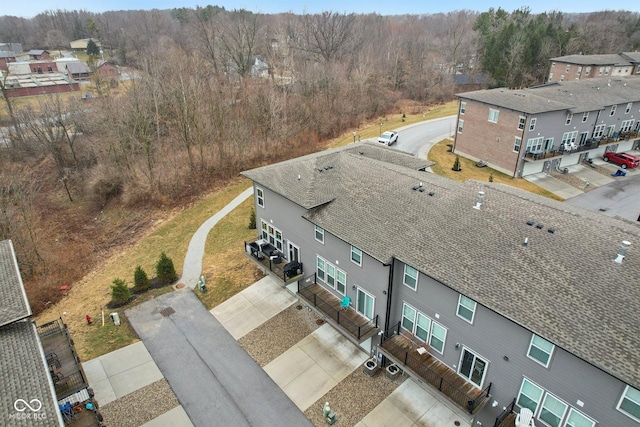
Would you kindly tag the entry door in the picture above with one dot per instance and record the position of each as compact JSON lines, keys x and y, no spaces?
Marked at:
{"x":294,"y":252}
{"x":365,"y":304}
{"x":472,"y":367}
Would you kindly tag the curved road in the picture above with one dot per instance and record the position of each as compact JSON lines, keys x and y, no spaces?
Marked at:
{"x":420,"y":137}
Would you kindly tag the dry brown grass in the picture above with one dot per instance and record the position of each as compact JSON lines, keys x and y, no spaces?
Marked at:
{"x":444,"y":159}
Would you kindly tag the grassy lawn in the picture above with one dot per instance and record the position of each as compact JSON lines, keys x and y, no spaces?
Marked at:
{"x":444,"y":159}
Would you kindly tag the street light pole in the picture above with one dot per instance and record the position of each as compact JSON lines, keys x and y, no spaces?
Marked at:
{"x":354,"y":136}
{"x":380,"y":128}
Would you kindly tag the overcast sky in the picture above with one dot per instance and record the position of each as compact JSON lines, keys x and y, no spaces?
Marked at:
{"x":31,"y":8}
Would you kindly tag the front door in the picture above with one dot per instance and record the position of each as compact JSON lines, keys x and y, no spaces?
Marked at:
{"x":294,"y":252}
{"x":365,"y":304}
{"x":472,"y":367}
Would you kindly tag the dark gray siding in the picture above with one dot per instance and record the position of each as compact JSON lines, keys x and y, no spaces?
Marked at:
{"x":286,"y":216}
{"x":493,"y":338}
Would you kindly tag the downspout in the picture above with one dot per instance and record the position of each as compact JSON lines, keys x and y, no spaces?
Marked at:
{"x":387,"y":316}
{"x":522,"y":142}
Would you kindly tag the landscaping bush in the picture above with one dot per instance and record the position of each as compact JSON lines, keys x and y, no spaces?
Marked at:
{"x":252,"y":220}
{"x":456,"y":165}
{"x":141,"y":281}
{"x":165,"y":271}
{"x":120,"y":293}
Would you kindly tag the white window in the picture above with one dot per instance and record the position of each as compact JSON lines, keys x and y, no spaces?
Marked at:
{"x":331,"y":275}
{"x":522,"y":121}
{"x":517,"y":143}
{"x":628,"y":109}
{"x":569,"y":138}
{"x":460,"y":125}
{"x":562,"y":77}
{"x":260,"y":197}
{"x":320,"y":234}
{"x":365,"y":304}
{"x":532,"y":123}
{"x":493,"y":115}
{"x":535,"y":144}
{"x":630,"y":403}
{"x":576,"y":419}
{"x":408,"y":317}
{"x":529,"y":396}
{"x":463,"y":107}
{"x":410,"y":277}
{"x":466,"y":308}
{"x":626,"y":125}
{"x":553,"y":410}
{"x":598,"y":131}
{"x":341,"y":283}
{"x":438,"y":337}
{"x":613,"y":110}
{"x":472,"y":367}
{"x":540,"y":350}
{"x":423,"y":325}
{"x":579,"y":70}
{"x":569,"y":118}
{"x":553,"y":64}
{"x":638,"y":70}
{"x":320,"y":272}
{"x":356,"y":255}
{"x":600,"y":71}
{"x":272,"y":235}
{"x":587,"y":71}
{"x":550,"y":76}
{"x":585,"y":116}
{"x":607,"y":70}
{"x":568,"y":68}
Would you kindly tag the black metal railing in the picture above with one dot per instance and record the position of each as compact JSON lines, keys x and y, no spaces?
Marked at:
{"x":69,"y":384}
{"x":355,"y":329}
{"x":505,"y":414}
{"x":424,"y":371}
{"x":253,"y":252}
{"x":50,"y":328}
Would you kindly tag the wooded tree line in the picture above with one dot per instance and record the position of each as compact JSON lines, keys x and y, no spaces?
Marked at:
{"x":201,"y":105}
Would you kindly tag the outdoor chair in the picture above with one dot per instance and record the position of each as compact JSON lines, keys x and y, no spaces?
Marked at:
{"x":345,"y":303}
{"x":525,"y":418}
{"x":67,"y":412}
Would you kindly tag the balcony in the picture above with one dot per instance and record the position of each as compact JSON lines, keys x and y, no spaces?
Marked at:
{"x":347,"y":320}
{"x":590,"y":144}
{"x":507,"y":418}
{"x":416,"y":360}
{"x":271,"y":261}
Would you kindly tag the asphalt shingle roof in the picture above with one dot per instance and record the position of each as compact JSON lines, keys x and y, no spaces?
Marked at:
{"x":563,"y":286}
{"x":573,"y":96}
{"x":24,"y":375}
{"x":600,"y":59}
{"x":78,"y":68}
{"x":14,"y":304}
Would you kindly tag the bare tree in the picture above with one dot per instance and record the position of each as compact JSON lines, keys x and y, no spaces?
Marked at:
{"x":241,"y":29}
{"x":328,"y":34}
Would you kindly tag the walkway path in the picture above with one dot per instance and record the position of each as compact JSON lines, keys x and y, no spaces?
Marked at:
{"x":192,"y":267}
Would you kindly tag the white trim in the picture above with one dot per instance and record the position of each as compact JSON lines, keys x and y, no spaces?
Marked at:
{"x":463,"y":107}
{"x":260,"y":197}
{"x":553,"y":347}
{"x":444,"y":339}
{"x":622,"y":397}
{"x":571,"y":410}
{"x":494,"y":115}
{"x":542,"y":391}
{"x":522,"y":122}
{"x":476,"y":356}
{"x":564,"y":412}
{"x":360,"y":254}
{"x":460,"y":125}
{"x":404,"y":275}
{"x":473,"y":311}
{"x":317,"y":229}
{"x":532,"y":123}
{"x":373,"y":299}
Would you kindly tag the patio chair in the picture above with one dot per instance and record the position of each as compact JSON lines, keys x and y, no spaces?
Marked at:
{"x":345,"y":303}
{"x":67,"y":412}
{"x":525,"y":418}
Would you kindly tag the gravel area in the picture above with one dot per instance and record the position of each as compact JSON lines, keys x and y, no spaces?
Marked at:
{"x":353,"y":398}
{"x":279,"y":334}
{"x":573,"y":181}
{"x":141,"y":406}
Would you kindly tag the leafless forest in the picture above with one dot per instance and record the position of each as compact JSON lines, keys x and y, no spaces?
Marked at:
{"x":200,"y":107}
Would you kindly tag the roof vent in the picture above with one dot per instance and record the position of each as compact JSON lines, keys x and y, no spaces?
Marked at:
{"x":298,"y":177}
{"x":415,"y":187}
{"x":623,"y":251}
{"x":480,"y":200}
{"x":551,"y":230}
{"x":361,"y":152}
{"x":421,"y":189}
{"x":320,"y":169}
{"x":526,"y":242}
{"x":540,"y":226}
{"x":531,"y":222}
{"x":432,"y":193}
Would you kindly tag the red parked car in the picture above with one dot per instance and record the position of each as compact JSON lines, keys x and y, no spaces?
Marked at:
{"x":623,"y":159}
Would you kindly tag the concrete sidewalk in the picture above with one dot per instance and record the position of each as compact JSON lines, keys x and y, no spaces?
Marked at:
{"x":252,"y":307}
{"x":553,"y":185}
{"x":215,"y":380}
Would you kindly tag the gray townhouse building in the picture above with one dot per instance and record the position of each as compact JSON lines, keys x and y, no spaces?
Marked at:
{"x":577,"y":67}
{"x":494,"y":298}
{"x":548,"y":127}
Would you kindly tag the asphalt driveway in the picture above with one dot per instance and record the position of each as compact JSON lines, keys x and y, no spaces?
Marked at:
{"x":215,"y":380}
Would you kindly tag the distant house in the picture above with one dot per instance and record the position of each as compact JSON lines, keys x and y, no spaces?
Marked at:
{"x":468,"y":82}
{"x":578,"y":67}
{"x":81,"y":44}
{"x":42,"y":67}
{"x":38,"y":54}
{"x":107,"y":69}
{"x":78,"y":70}
{"x":5,"y":58}
{"x":11,"y":47}
{"x":259,"y":67}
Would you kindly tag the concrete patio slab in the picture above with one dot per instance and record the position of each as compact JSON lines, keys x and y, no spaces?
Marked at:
{"x":553,"y":185}
{"x":412,"y":405}
{"x":177,"y":417}
{"x":312,"y":367}
{"x":588,"y":174}
{"x":121,"y":372}
{"x":252,"y":307}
